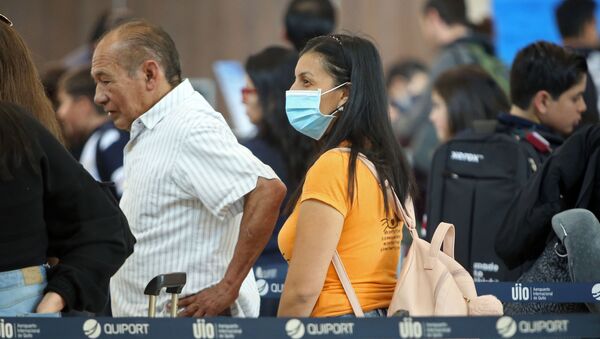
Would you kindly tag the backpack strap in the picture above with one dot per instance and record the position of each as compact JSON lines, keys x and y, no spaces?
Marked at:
{"x":399,"y":209}
{"x":347,"y":285}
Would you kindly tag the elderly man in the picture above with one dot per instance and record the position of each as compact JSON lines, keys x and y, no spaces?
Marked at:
{"x":197,"y":201}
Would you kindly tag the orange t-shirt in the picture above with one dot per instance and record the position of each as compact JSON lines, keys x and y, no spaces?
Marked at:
{"x":369,"y":244}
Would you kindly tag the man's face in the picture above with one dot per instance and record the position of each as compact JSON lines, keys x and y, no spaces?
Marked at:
{"x":564,"y":113}
{"x":119,"y":93}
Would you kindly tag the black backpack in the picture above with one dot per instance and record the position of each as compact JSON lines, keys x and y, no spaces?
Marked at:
{"x":473,"y":179}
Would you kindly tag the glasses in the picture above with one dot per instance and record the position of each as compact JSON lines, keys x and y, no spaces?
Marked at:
{"x":247,"y":92}
{"x":6,"y":20}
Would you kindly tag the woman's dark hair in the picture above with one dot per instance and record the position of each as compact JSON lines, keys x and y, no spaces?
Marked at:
{"x":364,"y":121}
{"x":15,"y":145}
{"x":272,"y":72}
{"x":470,"y":93}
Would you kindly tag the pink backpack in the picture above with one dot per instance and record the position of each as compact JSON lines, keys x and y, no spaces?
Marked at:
{"x":431,"y":282}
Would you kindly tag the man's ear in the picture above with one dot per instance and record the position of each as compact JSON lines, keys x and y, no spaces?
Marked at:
{"x":151,"y":72}
{"x":540,"y":102}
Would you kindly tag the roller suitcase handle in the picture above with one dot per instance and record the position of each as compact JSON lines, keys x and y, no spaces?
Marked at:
{"x":173,"y":282}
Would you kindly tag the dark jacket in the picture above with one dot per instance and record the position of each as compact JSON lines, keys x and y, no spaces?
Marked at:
{"x":55,"y":209}
{"x":519,"y":127}
{"x":570,"y":178}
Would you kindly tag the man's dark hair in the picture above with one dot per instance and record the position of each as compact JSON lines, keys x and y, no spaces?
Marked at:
{"x":405,"y":69}
{"x":142,"y":41}
{"x":79,"y":83}
{"x":451,"y":11}
{"x":573,"y":15}
{"x":544,"y":66}
{"x":306,"y":19}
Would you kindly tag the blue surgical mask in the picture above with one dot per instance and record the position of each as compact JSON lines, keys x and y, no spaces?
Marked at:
{"x":302,"y":109}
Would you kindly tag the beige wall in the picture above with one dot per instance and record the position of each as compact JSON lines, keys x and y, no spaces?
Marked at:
{"x":208,"y":30}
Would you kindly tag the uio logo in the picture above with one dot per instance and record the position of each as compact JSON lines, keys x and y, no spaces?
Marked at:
{"x":263,"y":287}
{"x":6,"y":329}
{"x":410,"y":329}
{"x":294,"y":328}
{"x":506,"y":327}
{"x":92,"y":329}
{"x":203,"y":330}
{"x":518,"y":292}
{"x":596,"y":291}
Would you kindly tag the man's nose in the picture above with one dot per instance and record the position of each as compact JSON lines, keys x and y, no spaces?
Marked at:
{"x":100,"y":98}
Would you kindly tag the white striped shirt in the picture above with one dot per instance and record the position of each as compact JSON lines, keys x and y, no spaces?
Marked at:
{"x":186,"y":176}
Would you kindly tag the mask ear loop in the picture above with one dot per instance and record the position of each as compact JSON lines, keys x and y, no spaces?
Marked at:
{"x":340,"y":108}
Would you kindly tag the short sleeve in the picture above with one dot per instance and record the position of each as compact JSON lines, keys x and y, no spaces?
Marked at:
{"x":327,"y":181}
{"x":216,"y":169}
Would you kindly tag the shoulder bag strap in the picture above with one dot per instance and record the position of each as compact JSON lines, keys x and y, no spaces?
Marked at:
{"x":347,"y":285}
{"x":407,"y":217}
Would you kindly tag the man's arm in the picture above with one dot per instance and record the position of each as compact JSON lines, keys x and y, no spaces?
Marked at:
{"x":261,"y":209}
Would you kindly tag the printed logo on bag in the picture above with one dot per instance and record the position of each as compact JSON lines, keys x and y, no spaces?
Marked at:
{"x":596,"y":291}
{"x":92,"y":329}
{"x":263,"y":287}
{"x":203,"y":330}
{"x":466,"y":157}
{"x":294,"y":329}
{"x":410,"y":329}
{"x":506,"y":327}
{"x":7,"y":330}
{"x":518,"y":292}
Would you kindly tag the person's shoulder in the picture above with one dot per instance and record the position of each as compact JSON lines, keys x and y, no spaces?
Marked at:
{"x":331,"y":162}
{"x":198,"y":114}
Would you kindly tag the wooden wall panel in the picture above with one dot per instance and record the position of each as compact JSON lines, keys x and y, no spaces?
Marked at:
{"x":209,"y":30}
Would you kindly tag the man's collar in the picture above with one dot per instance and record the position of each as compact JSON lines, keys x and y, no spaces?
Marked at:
{"x":157,"y":112}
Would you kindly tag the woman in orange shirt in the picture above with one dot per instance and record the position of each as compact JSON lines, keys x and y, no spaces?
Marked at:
{"x":339,"y":98}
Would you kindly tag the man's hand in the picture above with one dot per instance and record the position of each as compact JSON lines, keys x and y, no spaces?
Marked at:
{"x":51,"y":303}
{"x":210,"y":302}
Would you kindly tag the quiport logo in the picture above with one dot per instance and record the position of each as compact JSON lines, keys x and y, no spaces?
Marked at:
{"x":596,"y":291}
{"x":294,"y":328}
{"x":263,"y":287}
{"x":92,"y":328}
{"x":506,"y":327}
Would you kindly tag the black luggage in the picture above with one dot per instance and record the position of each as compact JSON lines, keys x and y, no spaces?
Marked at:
{"x":472,"y":181}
